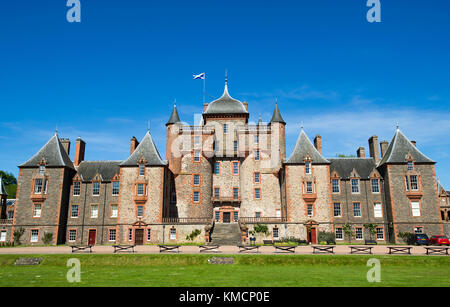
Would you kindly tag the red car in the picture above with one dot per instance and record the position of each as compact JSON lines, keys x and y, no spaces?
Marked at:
{"x":439,"y":240}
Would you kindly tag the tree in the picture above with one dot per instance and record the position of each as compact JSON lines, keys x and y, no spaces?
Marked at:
{"x":10,"y":183}
{"x":372,"y":229}
{"x":348,"y":231}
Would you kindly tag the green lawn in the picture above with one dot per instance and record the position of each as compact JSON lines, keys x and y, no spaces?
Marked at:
{"x":248,"y":270}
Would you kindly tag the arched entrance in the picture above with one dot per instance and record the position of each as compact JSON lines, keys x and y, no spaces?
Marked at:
{"x":311,"y":231}
{"x":139,"y":232}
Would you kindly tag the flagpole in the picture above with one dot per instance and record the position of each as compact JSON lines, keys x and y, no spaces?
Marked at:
{"x":204,"y":89}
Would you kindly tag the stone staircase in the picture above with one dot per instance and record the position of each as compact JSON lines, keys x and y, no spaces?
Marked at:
{"x":226,"y":234}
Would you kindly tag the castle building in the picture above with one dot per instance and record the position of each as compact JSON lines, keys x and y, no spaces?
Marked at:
{"x":221,"y":178}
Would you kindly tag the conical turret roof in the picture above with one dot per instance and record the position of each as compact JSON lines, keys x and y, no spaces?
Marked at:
{"x":276,"y":117}
{"x":174,"y":118}
{"x":226,"y":104}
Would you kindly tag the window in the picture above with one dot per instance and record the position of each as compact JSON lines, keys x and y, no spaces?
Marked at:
{"x":74,"y":211}
{"x":309,"y":187}
{"x":37,"y":209}
{"x":41,"y":169}
{"x":256,"y":155}
{"x":38,"y":186}
{"x":407,"y":183}
{"x":217,"y":168}
{"x":235,"y":216}
{"x":339,"y":234}
{"x":414,"y":186}
{"x":380,"y":234}
{"x":256,"y":139}
{"x":335,"y":185}
{"x":356,"y":209}
{"x":310,"y":210}
{"x":113,"y":211}
{"x":10,"y":215}
{"x":94,"y":211}
{"x":337,"y":209}
{"x":140,"y":189}
{"x":196,"y":180}
{"x":45,"y":186}
{"x":34,"y":235}
{"x":355,"y":185}
{"x":276,"y":233}
{"x":217,"y":216}
{"x":258,"y":215}
{"x":196,"y":156}
{"x":278,"y":213}
{"x":235,"y":168}
{"x":418,"y":230}
{"x":415,"y":206}
{"x":257,"y":193}
{"x":225,"y":128}
{"x":112,"y":235}
{"x":72,"y":235}
{"x":377,"y":210}
{"x":173,"y":234}
{"x":96,"y":188}
{"x":308,"y":167}
{"x":359,"y":233}
{"x":410,"y":166}
{"x":375,"y":186}
{"x":196,"y":197}
{"x":257,"y":177}
{"x":235,"y":193}
{"x":130,"y":234}
{"x":216,"y":192}
{"x":3,"y":236}
{"x":235,"y":145}
{"x":140,"y":211}
{"x":149,"y":234}
{"x":115,"y":188}
{"x":141,"y":169}
{"x":76,"y":188}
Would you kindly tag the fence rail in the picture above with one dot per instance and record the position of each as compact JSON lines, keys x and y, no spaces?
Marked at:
{"x":186,"y":220}
{"x":6,"y":221}
{"x":255,"y":220}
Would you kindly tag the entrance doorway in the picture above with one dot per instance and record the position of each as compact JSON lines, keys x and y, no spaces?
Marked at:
{"x":92,"y":236}
{"x":226,"y":217}
{"x":139,"y":236}
{"x":312,"y":235}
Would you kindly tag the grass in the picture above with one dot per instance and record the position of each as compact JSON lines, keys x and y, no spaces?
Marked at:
{"x":248,"y":270}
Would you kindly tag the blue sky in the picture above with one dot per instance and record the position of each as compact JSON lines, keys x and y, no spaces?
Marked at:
{"x":126,"y":62}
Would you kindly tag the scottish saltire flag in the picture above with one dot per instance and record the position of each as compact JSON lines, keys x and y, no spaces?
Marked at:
{"x":200,"y":76}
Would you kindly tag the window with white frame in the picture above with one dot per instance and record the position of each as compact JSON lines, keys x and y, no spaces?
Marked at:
{"x":140,"y":211}
{"x":308,"y":167}
{"x":256,"y":155}
{"x":217,"y":216}
{"x":112,"y":235}
{"x":335,"y":185}
{"x":216,"y":168}
{"x":413,"y":181}
{"x":355,"y":185}
{"x":216,"y":192}
{"x":34,"y":235}
{"x":38,"y":186}
{"x":235,"y":216}
{"x":196,"y":180}
{"x":149,"y":234}
{"x":114,"y":211}
{"x":96,"y":188}
{"x":72,"y":235}
{"x":418,"y":230}
{"x":225,"y":128}
{"x":278,"y":213}
{"x":115,"y":188}
{"x":42,"y":169}
{"x":375,"y":186}
{"x":407,"y":183}
{"x":140,"y":189}
{"x":256,"y":138}
{"x":356,"y":209}
{"x":37,"y":210}
{"x":74,"y":211}
{"x":310,"y":210}
{"x":257,"y":193}
{"x":377,"y":210}
{"x":173,"y":234}
{"x":196,"y":156}
{"x":415,"y":207}
{"x":141,"y":169}
{"x":337,"y":209}
{"x":359,"y":233}
{"x":76,"y":188}
{"x":130,"y":234}
{"x":380,"y":234}
{"x":257,"y":177}
{"x":276,"y":233}
{"x":196,"y":196}
{"x":235,"y":168}
{"x":235,"y":193}
{"x":94,"y":211}
{"x":3,"y":236}
{"x":410,"y":166}
{"x":339,"y":234}
{"x":258,"y":216}
{"x":309,"y":187}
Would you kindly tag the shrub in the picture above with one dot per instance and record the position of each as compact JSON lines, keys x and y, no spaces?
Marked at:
{"x":18,"y":234}
{"x":293,"y":240}
{"x":261,"y":229}
{"x":47,"y":238}
{"x":407,"y":237}
{"x":193,"y":235}
{"x":327,"y":237}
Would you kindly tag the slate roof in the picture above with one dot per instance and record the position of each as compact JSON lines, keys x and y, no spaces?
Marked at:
{"x":2,"y":187}
{"x":399,"y":148}
{"x":304,"y":147}
{"x":345,"y":166}
{"x":54,"y":154}
{"x":226,"y":105}
{"x":106,"y":169}
{"x":147,"y":150}
{"x":174,"y":118}
{"x":10,"y":202}
{"x":276,"y":117}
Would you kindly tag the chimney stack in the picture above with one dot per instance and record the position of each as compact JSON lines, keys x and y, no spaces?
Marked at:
{"x":361,"y":152}
{"x":383,"y":146}
{"x":373,"y":148}
{"x":66,"y":144}
{"x":133,"y":144}
{"x":414,"y":143}
{"x":318,"y":143}
{"x":80,"y":146}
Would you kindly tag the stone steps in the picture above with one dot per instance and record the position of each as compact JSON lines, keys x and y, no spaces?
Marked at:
{"x":226,"y":234}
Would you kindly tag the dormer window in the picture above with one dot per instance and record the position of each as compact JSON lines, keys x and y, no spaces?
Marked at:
{"x":42,"y":169}
{"x":410,"y":165}
{"x":308,"y":167}
{"x":141,"y":169}
{"x":355,"y":186}
{"x":96,"y":188}
{"x":225,"y":128}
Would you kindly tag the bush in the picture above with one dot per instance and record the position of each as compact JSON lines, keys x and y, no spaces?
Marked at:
{"x":47,"y":238}
{"x":327,"y":237}
{"x":293,"y":240}
{"x":407,"y":237}
{"x":18,"y":234}
{"x":193,"y":235}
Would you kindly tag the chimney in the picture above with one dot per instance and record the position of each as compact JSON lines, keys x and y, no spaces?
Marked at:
{"x":318,"y":143}
{"x":133,"y":144}
{"x":361,"y":152}
{"x":66,"y":144}
{"x":80,"y":146}
{"x":414,"y":143}
{"x":383,"y":146}
{"x":373,"y":148}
